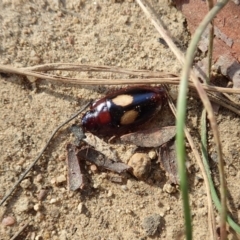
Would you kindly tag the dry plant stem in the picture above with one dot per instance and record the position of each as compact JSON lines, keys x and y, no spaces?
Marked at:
{"x":40,"y":154}
{"x":151,"y":79}
{"x":224,"y":102}
{"x":201,"y":166}
{"x":96,"y":68}
{"x":210,"y":40}
{"x":19,"y":231}
{"x":35,"y":71}
{"x":204,"y":156}
{"x":185,"y":74}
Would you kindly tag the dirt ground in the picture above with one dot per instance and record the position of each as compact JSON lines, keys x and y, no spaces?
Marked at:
{"x":102,"y":33}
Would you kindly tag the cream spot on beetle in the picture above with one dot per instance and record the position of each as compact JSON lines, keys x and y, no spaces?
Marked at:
{"x":129,"y":117}
{"x":123,"y":100}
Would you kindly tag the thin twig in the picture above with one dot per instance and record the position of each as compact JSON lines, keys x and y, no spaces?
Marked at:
{"x":147,"y":77}
{"x":222,"y":102}
{"x":33,"y":71}
{"x":96,"y":68}
{"x":205,"y":159}
{"x":40,"y":154}
{"x":210,"y":43}
{"x":19,"y":231}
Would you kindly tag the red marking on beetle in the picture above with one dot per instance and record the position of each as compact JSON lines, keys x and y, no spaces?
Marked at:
{"x":107,"y":115}
{"x":104,"y":117}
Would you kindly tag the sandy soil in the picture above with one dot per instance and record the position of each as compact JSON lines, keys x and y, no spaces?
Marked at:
{"x":104,"y":33}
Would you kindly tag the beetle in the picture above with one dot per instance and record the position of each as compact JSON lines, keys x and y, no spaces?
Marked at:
{"x":123,"y":109}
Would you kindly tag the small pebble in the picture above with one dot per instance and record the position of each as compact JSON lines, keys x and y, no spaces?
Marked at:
{"x":38,"y":237}
{"x":93,"y":168}
{"x":59,"y":14}
{"x":96,"y":185}
{"x":168,"y":208}
{"x":55,"y":212}
{"x":162,"y":214}
{"x":39,"y":217}
{"x":141,"y":165}
{"x":62,"y":157}
{"x":152,"y":155}
{"x":169,"y":188}
{"x":158,"y":203}
{"x":25,"y":183}
{"x":53,"y":200}
{"x":109,"y":193}
{"x":42,"y":194}
{"x":61,"y":179}
{"x":124,"y":187}
{"x":53,"y":181}
{"x":37,"y":207}
{"x":21,"y":161}
{"x":63,"y":235}
{"x":39,"y":178}
{"x":128,"y":211}
{"x":80,"y":207}
{"x":8,"y":221}
{"x":151,"y":224}
{"x":129,"y":184}
{"x":70,"y":194}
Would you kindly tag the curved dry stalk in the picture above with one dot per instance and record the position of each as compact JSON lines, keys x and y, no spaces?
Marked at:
{"x":16,"y":235}
{"x":147,"y":77}
{"x":210,"y":43}
{"x":98,"y":68}
{"x":150,"y":78}
{"x":224,"y":102}
{"x":200,"y":164}
{"x":84,"y":68}
{"x":204,"y":98}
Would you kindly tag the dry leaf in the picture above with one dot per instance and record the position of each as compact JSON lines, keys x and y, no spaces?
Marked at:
{"x":101,"y":146}
{"x":93,"y":156}
{"x":150,"y":138}
{"x":75,"y":176}
{"x":167,"y":157}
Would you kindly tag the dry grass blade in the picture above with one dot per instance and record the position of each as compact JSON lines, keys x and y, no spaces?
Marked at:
{"x":210,"y":40}
{"x":97,"y":68}
{"x":224,"y":102}
{"x":147,"y":77}
{"x":204,"y":98}
{"x":16,"y":235}
{"x":35,"y":71}
{"x":201,"y":166}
